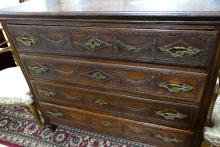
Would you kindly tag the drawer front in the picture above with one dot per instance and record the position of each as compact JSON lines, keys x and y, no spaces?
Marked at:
{"x":177,"y":47}
{"x":151,"y":111}
{"x":131,"y":78}
{"x":141,"y":132}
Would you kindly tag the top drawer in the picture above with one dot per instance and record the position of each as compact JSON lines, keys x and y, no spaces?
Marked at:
{"x":175,"y":47}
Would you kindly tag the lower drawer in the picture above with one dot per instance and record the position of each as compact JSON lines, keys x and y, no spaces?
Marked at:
{"x":132,"y":130}
{"x":146,"y":110}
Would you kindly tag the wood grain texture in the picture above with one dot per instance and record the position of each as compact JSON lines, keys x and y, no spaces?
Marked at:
{"x":131,"y":78}
{"x":142,"y":132}
{"x":114,"y":47}
{"x":180,"y":47}
{"x":145,"y":110}
{"x":208,"y":94}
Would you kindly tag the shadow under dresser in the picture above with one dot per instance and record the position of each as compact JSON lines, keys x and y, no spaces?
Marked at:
{"x":122,"y":68}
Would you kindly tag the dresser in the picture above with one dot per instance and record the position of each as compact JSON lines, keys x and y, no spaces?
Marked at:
{"x":142,"y":70}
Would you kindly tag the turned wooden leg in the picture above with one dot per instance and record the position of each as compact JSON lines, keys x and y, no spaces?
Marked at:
{"x":33,"y":109}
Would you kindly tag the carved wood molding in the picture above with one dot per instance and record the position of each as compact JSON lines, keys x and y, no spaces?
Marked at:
{"x":149,"y":83}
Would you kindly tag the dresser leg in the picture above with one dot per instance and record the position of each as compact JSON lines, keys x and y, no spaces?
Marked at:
{"x":33,"y":109}
{"x":52,"y":127}
{"x":197,"y":139}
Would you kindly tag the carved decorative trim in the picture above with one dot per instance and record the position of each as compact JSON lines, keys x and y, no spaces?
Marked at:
{"x":168,"y":139}
{"x":122,"y":48}
{"x":153,"y":135}
{"x":49,"y":42}
{"x":120,"y":45}
{"x":67,"y":73}
{"x":148,"y":79}
{"x":80,"y":98}
{"x":150,"y":82}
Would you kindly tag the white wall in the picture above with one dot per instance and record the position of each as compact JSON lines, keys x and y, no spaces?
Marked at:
{"x":8,"y":3}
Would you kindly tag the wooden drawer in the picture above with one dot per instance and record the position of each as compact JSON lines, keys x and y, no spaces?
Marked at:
{"x":151,"y":111}
{"x":177,"y":47}
{"x":131,"y":78}
{"x":141,"y":132}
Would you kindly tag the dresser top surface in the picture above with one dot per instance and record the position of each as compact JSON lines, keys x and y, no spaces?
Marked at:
{"x":113,"y":8}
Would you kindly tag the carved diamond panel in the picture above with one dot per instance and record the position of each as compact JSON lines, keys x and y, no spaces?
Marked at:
{"x":93,"y":44}
{"x":99,"y":76}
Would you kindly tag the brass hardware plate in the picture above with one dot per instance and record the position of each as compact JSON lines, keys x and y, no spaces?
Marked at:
{"x":175,"y":88}
{"x":27,"y":40}
{"x":38,"y":70}
{"x":170,"y":115}
{"x":106,"y":123}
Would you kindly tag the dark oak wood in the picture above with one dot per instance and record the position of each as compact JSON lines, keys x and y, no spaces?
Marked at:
{"x":143,"y":132}
{"x":135,"y":78}
{"x":110,"y":49}
{"x":133,"y":44}
{"x":145,"y":110}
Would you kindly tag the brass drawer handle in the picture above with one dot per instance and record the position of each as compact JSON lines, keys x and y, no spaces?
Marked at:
{"x":27,"y":40}
{"x":100,"y":102}
{"x":168,"y":139}
{"x":170,"y":115}
{"x":55,"y":114}
{"x":106,"y":123}
{"x":38,"y":70}
{"x":180,"y":51}
{"x":175,"y":88}
{"x":47,"y":92}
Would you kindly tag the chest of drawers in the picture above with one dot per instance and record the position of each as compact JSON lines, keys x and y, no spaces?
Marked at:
{"x":120,"y":67}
